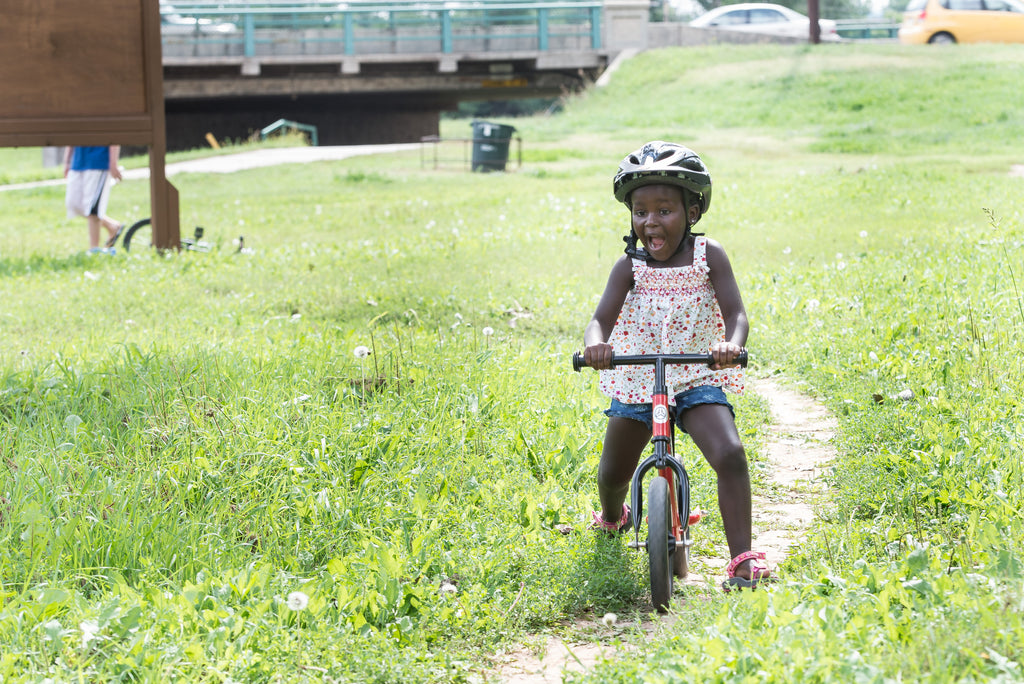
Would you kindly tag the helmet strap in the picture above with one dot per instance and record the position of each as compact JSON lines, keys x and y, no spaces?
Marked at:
{"x":632,"y":250}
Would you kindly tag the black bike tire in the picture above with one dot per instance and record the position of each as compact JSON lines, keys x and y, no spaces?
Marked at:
{"x":659,"y":527}
{"x":129,"y":234}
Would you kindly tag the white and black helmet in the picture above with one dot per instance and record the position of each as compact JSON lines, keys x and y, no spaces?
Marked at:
{"x":660,"y":162}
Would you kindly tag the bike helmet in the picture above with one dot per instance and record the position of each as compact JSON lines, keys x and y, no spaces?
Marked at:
{"x":660,"y":162}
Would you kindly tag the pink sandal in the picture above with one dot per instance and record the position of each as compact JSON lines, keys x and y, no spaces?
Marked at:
{"x":624,"y":524}
{"x":758,"y":571}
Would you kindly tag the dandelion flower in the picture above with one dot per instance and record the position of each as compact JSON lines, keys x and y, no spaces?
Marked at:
{"x":53,"y":630}
{"x":863,"y":233}
{"x":609,"y":619}
{"x":487,"y":331}
{"x":89,"y":630}
{"x":361,"y":352}
{"x":297,"y":601}
{"x":449,"y":588}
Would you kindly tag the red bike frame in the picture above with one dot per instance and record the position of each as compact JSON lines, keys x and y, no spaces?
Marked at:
{"x":663,"y":457}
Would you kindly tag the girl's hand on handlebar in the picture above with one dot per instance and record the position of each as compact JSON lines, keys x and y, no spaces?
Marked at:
{"x":599,"y":355}
{"x":724,"y":354}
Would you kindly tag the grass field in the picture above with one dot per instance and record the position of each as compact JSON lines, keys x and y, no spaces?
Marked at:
{"x":202,"y":480}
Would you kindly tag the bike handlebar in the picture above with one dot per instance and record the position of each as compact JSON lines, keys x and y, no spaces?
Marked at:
{"x":651,"y":359}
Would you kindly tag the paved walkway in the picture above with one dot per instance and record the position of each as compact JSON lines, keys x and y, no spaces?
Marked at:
{"x":229,"y":163}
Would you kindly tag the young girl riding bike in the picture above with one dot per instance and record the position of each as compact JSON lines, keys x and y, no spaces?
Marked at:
{"x":676,"y":294}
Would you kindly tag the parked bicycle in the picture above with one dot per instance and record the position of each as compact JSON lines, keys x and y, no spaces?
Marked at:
{"x":668,"y":495}
{"x":140,"y":234}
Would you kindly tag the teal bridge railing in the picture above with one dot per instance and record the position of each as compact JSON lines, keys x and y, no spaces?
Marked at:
{"x":193,"y":28}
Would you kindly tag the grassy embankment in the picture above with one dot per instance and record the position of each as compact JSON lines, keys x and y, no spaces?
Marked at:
{"x":189,"y":440}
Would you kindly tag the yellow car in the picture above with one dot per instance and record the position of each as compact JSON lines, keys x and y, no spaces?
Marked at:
{"x":963,"y":21}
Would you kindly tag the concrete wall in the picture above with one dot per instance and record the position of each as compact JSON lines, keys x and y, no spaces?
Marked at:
{"x":671,"y":34}
{"x":625,"y":24}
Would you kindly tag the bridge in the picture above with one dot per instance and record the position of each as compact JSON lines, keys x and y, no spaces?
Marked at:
{"x":368,"y":72}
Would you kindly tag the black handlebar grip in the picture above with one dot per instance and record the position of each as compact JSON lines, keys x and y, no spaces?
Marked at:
{"x":577,"y":362}
{"x":741,"y":358}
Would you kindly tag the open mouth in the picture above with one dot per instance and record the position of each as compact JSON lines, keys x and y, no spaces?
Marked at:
{"x":654,"y":243}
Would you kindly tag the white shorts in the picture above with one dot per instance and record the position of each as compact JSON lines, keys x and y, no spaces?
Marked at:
{"x":87,"y":193}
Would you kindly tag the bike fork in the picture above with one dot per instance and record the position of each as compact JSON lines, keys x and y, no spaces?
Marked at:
{"x":668,"y":466}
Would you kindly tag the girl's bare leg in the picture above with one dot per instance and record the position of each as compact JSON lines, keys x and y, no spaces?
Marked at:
{"x":624,"y":443}
{"x":713,"y":430}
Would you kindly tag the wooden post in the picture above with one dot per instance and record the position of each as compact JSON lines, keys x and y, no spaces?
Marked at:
{"x":74,"y":73}
{"x":815,"y":26}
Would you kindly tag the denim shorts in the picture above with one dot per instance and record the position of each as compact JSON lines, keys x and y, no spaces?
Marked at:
{"x":687,"y":399}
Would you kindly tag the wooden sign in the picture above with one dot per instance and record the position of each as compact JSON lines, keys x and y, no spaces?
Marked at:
{"x":88,"y":73}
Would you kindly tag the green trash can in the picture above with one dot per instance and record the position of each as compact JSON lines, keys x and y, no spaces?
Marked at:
{"x":490,"y":145}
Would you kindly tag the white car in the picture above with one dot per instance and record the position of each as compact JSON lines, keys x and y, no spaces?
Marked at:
{"x":762,"y":17}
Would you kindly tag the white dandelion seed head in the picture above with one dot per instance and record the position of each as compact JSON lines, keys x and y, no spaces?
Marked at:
{"x":449,"y":588}
{"x":609,"y":619}
{"x":863,"y":233}
{"x":361,"y":352}
{"x":297,"y":601}
{"x":487,"y":331}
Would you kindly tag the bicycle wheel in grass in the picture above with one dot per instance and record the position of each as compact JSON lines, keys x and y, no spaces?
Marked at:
{"x":140,"y":235}
{"x":659,"y":521}
{"x":681,"y":556}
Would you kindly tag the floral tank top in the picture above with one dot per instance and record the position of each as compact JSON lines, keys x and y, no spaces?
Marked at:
{"x":673,"y":311}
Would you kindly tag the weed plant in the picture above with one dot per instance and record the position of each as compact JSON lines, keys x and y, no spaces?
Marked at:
{"x":355,"y":450}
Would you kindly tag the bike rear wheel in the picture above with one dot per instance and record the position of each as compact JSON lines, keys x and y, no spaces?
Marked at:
{"x":659,"y":529}
{"x":140,"y":235}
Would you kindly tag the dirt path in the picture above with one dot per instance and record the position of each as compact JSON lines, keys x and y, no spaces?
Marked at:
{"x":798,"y":447}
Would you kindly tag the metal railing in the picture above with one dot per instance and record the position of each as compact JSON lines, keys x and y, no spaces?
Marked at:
{"x":857,"y":29}
{"x":288,"y":28}
{"x":314,"y":137}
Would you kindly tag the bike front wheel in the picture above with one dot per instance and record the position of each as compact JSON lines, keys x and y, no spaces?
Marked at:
{"x":659,"y":529}
{"x":681,"y":556}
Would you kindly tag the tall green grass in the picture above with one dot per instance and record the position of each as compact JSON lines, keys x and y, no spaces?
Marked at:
{"x":188,"y":440}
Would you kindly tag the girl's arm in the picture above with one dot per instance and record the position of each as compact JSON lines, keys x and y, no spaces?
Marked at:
{"x":727,"y":292}
{"x":597,"y":352}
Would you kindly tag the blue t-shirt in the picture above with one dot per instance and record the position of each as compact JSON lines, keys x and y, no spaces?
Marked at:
{"x":89,"y":158}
